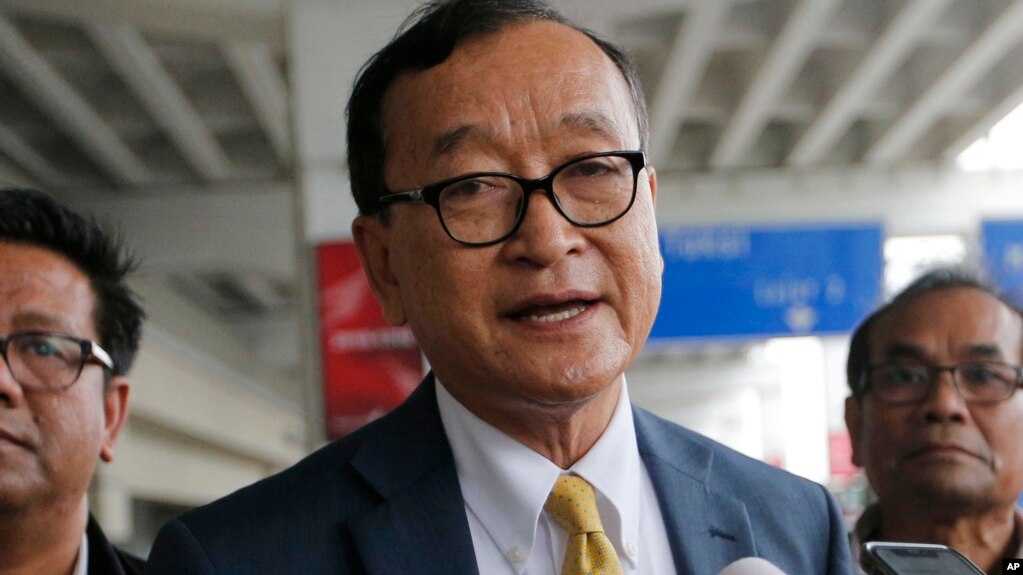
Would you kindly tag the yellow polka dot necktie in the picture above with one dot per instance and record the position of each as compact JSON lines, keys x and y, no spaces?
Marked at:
{"x":573,"y":505}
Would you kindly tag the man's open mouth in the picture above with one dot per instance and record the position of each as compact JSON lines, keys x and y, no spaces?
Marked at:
{"x":552,"y":313}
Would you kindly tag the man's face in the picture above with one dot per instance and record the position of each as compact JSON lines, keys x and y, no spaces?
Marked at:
{"x":554,"y":314}
{"x":942,"y":450}
{"x":50,"y":442}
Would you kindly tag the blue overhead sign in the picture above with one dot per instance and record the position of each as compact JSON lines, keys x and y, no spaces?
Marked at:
{"x":1003,"y":253}
{"x":753,"y":282}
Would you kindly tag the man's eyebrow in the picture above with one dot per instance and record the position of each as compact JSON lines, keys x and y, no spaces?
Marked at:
{"x":594,"y":122}
{"x":984,"y":350}
{"x":35,"y":320}
{"x":452,"y":139}
{"x":901,"y":350}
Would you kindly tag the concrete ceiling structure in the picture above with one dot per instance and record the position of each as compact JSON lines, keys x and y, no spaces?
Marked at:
{"x":776,"y":83}
{"x":175,"y":116}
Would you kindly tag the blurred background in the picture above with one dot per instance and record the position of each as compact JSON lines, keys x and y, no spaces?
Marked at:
{"x":812,"y":156}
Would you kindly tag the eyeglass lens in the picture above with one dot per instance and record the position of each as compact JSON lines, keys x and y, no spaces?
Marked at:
{"x":979,"y":381}
{"x":44,"y":361}
{"x":590,"y":191}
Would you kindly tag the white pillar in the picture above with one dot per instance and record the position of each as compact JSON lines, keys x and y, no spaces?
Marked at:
{"x":328,"y":41}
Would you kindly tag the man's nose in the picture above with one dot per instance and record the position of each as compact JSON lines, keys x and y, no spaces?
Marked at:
{"x":545,"y":235}
{"x":11,"y":393}
{"x":943,"y":401}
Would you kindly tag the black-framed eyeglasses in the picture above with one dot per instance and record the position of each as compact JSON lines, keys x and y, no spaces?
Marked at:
{"x":44,"y":361}
{"x":484,"y":208}
{"x":981,"y":382}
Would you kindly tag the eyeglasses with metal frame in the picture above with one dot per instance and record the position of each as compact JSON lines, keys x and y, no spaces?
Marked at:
{"x":46,"y":361}
{"x":484,"y":208}
{"x":978,"y":382}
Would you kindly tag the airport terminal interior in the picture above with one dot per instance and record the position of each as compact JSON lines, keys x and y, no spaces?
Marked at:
{"x":812,"y":157}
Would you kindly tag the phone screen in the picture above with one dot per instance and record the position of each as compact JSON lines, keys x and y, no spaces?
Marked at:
{"x":916,"y":561}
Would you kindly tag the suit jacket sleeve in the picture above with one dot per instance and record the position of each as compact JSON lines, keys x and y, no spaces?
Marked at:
{"x":177,"y":552}
{"x":839,"y":558}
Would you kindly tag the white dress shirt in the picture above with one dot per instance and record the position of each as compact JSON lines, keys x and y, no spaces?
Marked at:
{"x":82,"y":562}
{"x":505,"y":485}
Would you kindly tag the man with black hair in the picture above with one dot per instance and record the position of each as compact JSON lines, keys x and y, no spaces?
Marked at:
{"x":496,"y":153}
{"x":935,"y":418}
{"x":69,"y":331}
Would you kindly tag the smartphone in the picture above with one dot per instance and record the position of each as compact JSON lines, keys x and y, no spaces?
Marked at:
{"x":883,"y":558}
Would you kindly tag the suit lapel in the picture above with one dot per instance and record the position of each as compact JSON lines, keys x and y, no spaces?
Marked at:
{"x":707,"y":530}
{"x":420,"y":527}
{"x":102,"y":558}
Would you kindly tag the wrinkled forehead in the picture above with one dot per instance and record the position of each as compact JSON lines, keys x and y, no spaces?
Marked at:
{"x":526,"y":72}
{"x":958,"y":322}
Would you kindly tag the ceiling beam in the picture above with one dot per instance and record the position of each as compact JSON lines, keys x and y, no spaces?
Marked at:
{"x":144,"y":74}
{"x":261,"y":82}
{"x":216,"y":20}
{"x":980,"y":129}
{"x":978,"y":58}
{"x":27,"y":159}
{"x":779,"y":69}
{"x":13,"y":176}
{"x":683,"y":70}
{"x":887,"y":54}
{"x":59,"y":100}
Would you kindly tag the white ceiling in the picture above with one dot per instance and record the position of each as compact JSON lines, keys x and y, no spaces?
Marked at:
{"x":186,"y":102}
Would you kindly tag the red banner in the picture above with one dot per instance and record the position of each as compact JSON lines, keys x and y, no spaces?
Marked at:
{"x":369,"y":366}
{"x":840,"y":447}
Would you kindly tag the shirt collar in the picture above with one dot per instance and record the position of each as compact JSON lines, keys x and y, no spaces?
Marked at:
{"x":612,"y":466}
{"x":82,"y":562}
{"x":505,"y":484}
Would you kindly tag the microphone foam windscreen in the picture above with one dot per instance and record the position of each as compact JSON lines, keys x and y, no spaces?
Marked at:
{"x":751,"y":566}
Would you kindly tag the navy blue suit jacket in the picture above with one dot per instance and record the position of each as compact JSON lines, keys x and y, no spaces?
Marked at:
{"x":386,"y":500}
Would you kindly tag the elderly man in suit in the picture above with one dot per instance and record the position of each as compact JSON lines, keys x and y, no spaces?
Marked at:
{"x":507,"y":216}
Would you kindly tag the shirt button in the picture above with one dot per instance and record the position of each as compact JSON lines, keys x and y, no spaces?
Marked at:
{"x":517,"y":554}
{"x":631,"y":549}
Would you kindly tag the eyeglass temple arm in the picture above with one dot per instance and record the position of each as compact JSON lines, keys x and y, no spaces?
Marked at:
{"x":407,"y":196}
{"x":99,"y":353}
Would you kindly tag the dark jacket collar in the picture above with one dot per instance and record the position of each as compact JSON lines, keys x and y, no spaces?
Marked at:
{"x":707,"y":529}
{"x":104,"y":558}
{"x":421,"y":526}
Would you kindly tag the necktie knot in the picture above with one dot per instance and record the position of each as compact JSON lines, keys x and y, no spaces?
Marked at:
{"x":573,"y":505}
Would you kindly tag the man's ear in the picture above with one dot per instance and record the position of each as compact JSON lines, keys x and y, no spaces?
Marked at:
{"x":372,"y":242}
{"x":652,"y":181}
{"x":115,"y":413}
{"x":854,"y":422}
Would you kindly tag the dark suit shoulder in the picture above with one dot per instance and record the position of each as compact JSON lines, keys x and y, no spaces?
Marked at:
{"x":286,"y":523}
{"x":296,"y":520}
{"x":773,"y":497}
{"x":794,"y":522}
{"x":322,"y":480}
